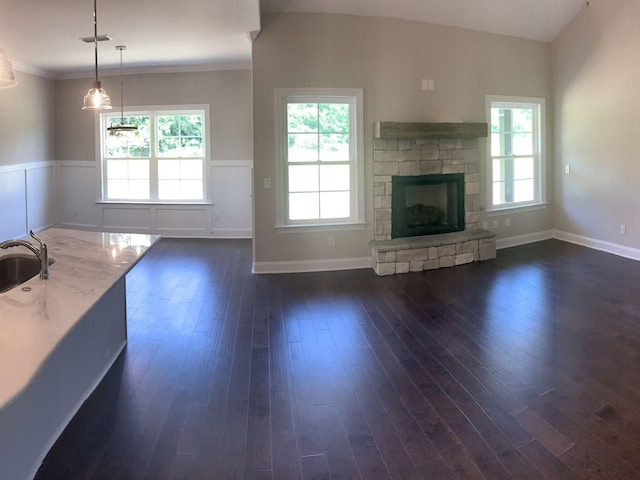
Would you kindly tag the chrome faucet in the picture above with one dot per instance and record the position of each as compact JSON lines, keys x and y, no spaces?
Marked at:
{"x":42,"y":252}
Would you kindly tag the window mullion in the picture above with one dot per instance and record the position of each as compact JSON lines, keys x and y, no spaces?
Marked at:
{"x":153,"y":159}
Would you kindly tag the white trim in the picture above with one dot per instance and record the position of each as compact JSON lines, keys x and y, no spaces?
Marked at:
{"x":327,"y":227}
{"x":132,"y":204}
{"x":540,"y":139}
{"x":154,"y":111}
{"x":192,"y":68}
{"x":516,"y":209}
{"x":114,"y":72}
{"x":594,"y":243}
{"x":303,"y":266}
{"x":356,"y":96}
{"x":73,"y":163}
{"x":15,"y":167}
{"x":524,"y":239}
{"x":609,"y":247}
{"x":79,"y":226}
{"x":33,"y":70}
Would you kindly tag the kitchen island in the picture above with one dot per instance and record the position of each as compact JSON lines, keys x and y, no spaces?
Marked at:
{"x":59,"y":337}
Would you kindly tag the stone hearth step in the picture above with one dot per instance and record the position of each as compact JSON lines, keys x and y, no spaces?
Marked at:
{"x":415,"y":254}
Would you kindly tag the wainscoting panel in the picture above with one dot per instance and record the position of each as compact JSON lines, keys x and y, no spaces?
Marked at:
{"x":229,"y":216}
{"x":40,"y":197}
{"x":26,"y":191}
{"x":232,"y":201}
{"x":13,"y":194}
{"x":190,"y":220}
{"x":76,"y":190}
{"x":127,"y":218}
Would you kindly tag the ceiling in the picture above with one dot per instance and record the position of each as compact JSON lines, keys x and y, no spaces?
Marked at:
{"x":44,"y":34}
{"x":165,"y":35}
{"x":541,"y":20}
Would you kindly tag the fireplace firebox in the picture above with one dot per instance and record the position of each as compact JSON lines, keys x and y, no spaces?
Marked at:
{"x":427,"y":204}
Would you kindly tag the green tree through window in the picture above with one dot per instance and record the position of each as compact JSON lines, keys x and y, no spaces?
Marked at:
{"x":163,"y":160}
{"x":318,"y":161}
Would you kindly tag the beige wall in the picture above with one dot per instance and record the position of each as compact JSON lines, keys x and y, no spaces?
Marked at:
{"x":387,"y":58}
{"x":26,"y":121}
{"x":596,"y":76}
{"x":227,"y":92}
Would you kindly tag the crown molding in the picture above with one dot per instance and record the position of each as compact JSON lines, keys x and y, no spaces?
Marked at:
{"x":114,"y":72}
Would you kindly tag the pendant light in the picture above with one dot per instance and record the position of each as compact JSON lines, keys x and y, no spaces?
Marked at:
{"x":96,"y":98}
{"x":7,"y":74}
{"x":121,"y":127}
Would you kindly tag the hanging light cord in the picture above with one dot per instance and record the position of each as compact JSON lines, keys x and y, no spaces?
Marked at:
{"x":121,"y":127}
{"x":121,"y":88}
{"x":95,"y":34}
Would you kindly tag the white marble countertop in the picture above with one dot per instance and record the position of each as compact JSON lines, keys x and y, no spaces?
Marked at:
{"x":32,"y":323}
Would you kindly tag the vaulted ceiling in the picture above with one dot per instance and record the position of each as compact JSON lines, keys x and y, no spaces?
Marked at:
{"x":206,"y":34}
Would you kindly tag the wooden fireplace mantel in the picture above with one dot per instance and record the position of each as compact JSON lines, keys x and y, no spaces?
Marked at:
{"x":429,"y":130}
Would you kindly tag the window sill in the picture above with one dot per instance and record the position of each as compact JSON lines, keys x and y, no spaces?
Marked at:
{"x":516,"y":208}
{"x":147,"y":203}
{"x":335,"y":227}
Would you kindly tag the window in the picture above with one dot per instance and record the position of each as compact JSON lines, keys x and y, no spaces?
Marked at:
{"x":163,"y":161}
{"x":320,"y":145}
{"x":517,"y":161}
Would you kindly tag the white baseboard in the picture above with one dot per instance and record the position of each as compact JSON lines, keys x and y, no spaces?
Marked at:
{"x":609,"y":247}
{"x":312,"y":265}
{"x":524,"y":239}
{"x":78,"y":226}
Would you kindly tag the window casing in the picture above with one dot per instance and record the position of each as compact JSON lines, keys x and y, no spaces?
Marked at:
{"x":516,"y":170}
{"x":165,"y":161}
{"x":319,"y":157}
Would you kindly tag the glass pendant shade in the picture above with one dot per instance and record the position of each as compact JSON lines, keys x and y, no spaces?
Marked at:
{"x":7,"y":74}
{"x":96,"y":98}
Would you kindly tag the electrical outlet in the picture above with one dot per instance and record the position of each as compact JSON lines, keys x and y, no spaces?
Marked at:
{"x":495,"y":224}
{"x":623,"y":229}
{"x":267,"y":183}
{"x":428,"y":84}
{"x":507,"y":222}
{"x":331,"y":241}
{"x":485,"y":225}
{"x":567,"y":169}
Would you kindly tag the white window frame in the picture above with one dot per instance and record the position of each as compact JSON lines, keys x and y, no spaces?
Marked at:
{"x":540,"y":167}
{"x":316,"y":95}
{"x":101,"y":132}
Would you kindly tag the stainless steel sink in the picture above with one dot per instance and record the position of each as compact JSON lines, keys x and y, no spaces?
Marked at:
{"x":17,"y":269}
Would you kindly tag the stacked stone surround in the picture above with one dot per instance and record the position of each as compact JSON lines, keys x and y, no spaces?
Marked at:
{"x":410,"y":157}
{"x":424,"y":156}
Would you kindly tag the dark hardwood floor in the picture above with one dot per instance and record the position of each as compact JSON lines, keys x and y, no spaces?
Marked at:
{"x":524,"y":367}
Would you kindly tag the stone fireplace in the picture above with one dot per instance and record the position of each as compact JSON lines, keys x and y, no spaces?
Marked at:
{"x":447,"y":220}
{"x":427,"y":204}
